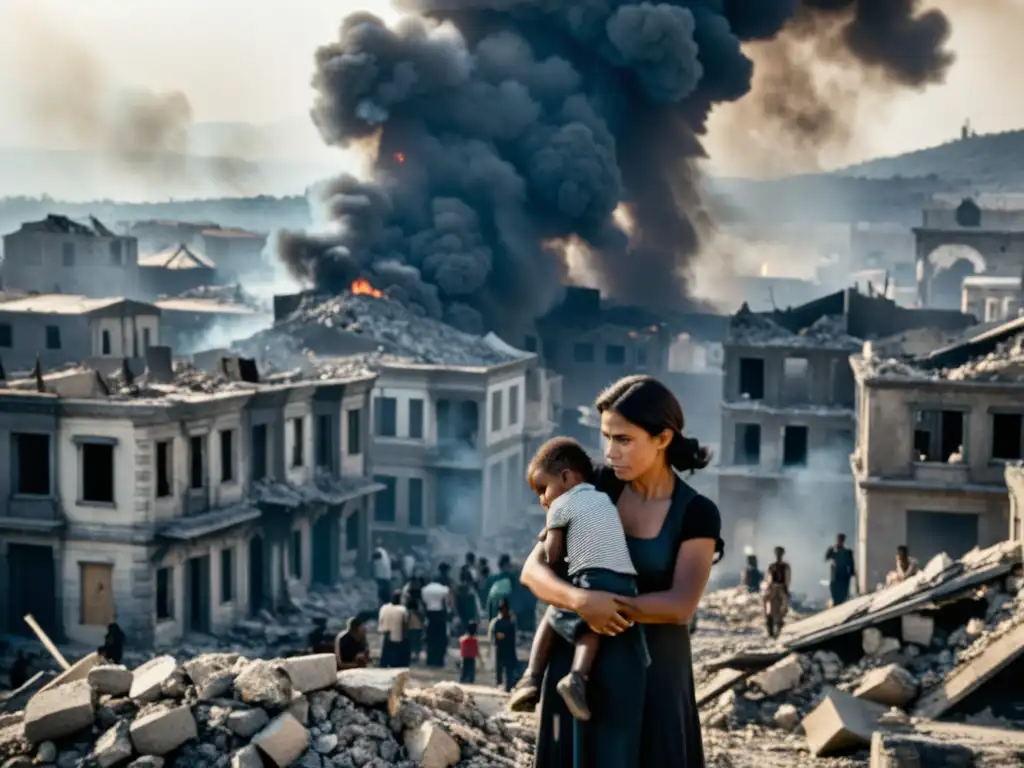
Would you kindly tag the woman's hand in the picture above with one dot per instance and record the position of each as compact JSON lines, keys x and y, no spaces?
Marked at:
{"x":601,"y":612}
{"x":627,"y":607}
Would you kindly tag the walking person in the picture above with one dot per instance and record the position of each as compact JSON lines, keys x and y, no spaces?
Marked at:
{"x":467,"y":602}
{"x":640,"y":717}
{"x":843,"y":572}
{"x":469,"y":652}
{"x":392,"y":623}
{"x":502,"y":634}
{"x":382,"y":573}
{"x":776,"y":593}
{"x":437,"y":602}
{"x":412,"y":599}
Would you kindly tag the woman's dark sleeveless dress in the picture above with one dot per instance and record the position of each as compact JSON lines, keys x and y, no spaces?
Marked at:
{"x":638,"y":720}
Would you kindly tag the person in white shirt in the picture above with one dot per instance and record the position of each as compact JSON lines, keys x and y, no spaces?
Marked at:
{"x":437,"y":601}
{"x":382,"y":572}
{"x":392,"y":623}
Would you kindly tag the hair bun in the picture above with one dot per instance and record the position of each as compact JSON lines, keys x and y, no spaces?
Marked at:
{"x":686,"y":454}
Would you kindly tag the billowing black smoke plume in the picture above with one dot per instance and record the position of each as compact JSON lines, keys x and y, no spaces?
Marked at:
{"x":506,"y":128}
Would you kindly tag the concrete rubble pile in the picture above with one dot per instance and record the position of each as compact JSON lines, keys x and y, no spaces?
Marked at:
{"x":757,"y":329}
{"x":1005,"y":363}
{"x":220,"y":710}
{"x":320,"y":325}
{"x":739,"y":608}
{"x":899,"y":673}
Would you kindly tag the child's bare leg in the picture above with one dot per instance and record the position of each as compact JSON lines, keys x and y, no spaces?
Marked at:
{"x":586,"y":652}
{"x":540,"y":651}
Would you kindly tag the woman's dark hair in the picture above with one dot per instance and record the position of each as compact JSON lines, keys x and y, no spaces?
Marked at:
{"x":650,"y":405}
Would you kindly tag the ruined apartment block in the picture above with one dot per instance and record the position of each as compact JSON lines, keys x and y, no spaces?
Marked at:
{"x":991,"y":299}
{"x":60,"y":255}
{"x":935,"y":434}
{"x":176,"y":507}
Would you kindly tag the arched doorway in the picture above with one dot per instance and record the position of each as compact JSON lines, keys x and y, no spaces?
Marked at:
{"x":257,"y":574}
{"x":948,"y":266}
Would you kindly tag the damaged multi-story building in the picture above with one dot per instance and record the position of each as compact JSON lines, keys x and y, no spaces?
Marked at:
{"x":454,"y":415}
{"x":788,"y":423}
{"x":935,"y":435}
{"x":179,"y":501}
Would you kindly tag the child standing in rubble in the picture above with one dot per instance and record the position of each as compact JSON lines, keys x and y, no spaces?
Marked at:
{"x":583,"y":528}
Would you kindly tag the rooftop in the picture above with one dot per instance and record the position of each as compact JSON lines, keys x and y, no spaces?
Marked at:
{"x":359,"y":324}
{"x":991,"y":281}
{"x":178,"y":257}
{"x":987,"y":201}
{"x":232,"y":233}
{"x":765,"y":330}
{"x":63,"y":225}
{"x":69,"y":304}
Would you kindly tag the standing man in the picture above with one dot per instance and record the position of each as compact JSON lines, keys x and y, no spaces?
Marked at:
{"x":906,"y":566}
{"x":437,"y":600}
{"x":843,"y":571}
{"x":382,"y":572}
{"x":392,"y":623}
{"x":503,"y":640}
{"x":468,"y":570}
{"x":776,"y":593}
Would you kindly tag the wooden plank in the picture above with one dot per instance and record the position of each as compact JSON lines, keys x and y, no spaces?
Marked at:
{"x":47,"y":642}
{"x":746,"y":660}
{"x":723,"y":680}
{"x":966,"y":678}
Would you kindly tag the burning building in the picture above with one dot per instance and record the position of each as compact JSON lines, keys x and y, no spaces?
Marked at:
{"x":789,"y":418}
{"x":178,"y":500}
{"x":454,"y":415}
{"x":934,"y":437}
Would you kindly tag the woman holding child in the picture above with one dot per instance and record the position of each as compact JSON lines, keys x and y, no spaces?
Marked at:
{"x":639,"y":693}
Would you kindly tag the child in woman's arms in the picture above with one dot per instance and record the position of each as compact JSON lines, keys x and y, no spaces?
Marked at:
{"x":583,"y":527}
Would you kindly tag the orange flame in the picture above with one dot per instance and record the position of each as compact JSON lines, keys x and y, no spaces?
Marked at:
{"x":362,"y":287}
{"x":399,"y":157}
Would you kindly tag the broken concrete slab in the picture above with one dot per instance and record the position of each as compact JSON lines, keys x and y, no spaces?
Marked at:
{"x":312,"y":673}
{"x":77,"y":671}
{"x":971,"y":675}
{"x":203,"y":667}
{"x":786,"y":717}
{"x":264,"y":684}
{"x":840,"y":723}
{"x":723,"y":680}
{"x":248,"y":722}
{"x":283,"y":740}
{"x":247,"y":757}
{"x":911,"y":750}
{"x":374,"y":687}
{"x":891,"y":685}
{"x":917,"y":629}
{"x":782,"y":676}
{"x":114,"y":746}
{"x":163,"y":730}
{"x":148,"y":679}
{"x":110,"y":679}
{"x":432,"y":746}
{"x":216,"y":686}
{"x":59,"y":712}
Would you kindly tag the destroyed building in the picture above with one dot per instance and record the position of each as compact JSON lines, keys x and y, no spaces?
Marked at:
{"x":174,"y":270}
{"x":60,"y":328}
{"x":180,"y":500}
{"x":991,"y":299}
{"x":934,"y":435}
{"x":788,"y":421}
{"x":454,"y":415}
{"x":61,"y":255}
{"x":590,"y":344}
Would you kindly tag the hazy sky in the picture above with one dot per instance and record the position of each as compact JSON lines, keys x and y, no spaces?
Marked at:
{"x":251,"y":61}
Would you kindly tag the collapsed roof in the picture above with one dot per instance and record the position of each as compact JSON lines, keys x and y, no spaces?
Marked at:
{"x":60,"y":224}
{"x":359,"y":324}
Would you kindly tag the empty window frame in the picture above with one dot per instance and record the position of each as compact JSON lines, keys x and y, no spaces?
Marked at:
{"x":938,"y":435}
{"x":752,"y":378}
{"x":794,"y":446}
{"x":1007,"y":436}
{"x":748,"y":445}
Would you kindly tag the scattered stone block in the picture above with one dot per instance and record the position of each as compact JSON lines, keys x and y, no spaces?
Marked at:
{"x":110,"y":679}
{"x":59,"y":712}
{"x":148,"y":679}
{"x":283,"y":741}
{"x":312,"y":673}
{"x":917,"y":629}
{"x":216,"y":686}
{"x":47,"y":752}
{"x":890,"y":685}
{"x":248,"y":722}
{"x":782,"y":676}
{"x":299,"y":708}
{"x":431,"y":746}
{"x":114,"y":746}
{"x":147,"y":761}
{"x":202,"y":668}
{"x":75,"y":672}
{"x":840,"y":723}
{"x":264,"y":684}
{"x":163,"y":730}
{"x":902,"y":750}
{"x":786,"y":717}
{"x":975,"y":628}
{"x":889,"y":648}
{"x":247,"y":757}
{"x":374,"y":687}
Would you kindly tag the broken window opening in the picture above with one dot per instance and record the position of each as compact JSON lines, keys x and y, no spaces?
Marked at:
{"x":748,"y":445}
{"x":295,"y":561}
{"x":794,"y":446}
{"x":384,"y":502}
{"x":53,"y":337}
{"x":164,"y":595}
{"x":386,"y":409}
{"x":796,"y":380}
{"x":259,"y":452}
{"x":196,"y":470}
{"x":105,"y":343}
{"x":496,"y":405}
{"x":227,"y":456}
{"x":32,"y":464}
{"x":227,"y":575}
{"x":1007,"y":436}
{"x":298,"y":441}
{"x":324,"y":441}
{"x":416,"y":418}
{"x":939,"y":436}
{"x":98,"y":473}
{"x":164,"y":468}
{"x":513,"y":405}
{"x":415,"y":502}
{"x":615,"y":354}
{"x":6,"y":337}
{"x":752,"y":378}
{"x":355,"y":440}
{"x":352,"y":532}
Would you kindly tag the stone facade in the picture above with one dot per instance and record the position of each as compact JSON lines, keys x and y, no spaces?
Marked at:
{"x":1015,"y":484}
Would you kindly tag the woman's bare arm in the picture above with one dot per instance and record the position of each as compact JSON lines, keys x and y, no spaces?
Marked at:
{"x":538,"y":577}
{"x":678,"y":604}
